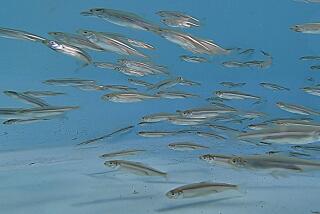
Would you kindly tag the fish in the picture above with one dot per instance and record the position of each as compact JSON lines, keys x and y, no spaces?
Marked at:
{"x":134,"y":167}
{"x":206,"y":112}
{"x":176,"y":14}
{"x":223,"y":128}
{"x":75,"y":40}
{"x":193,"y":59}
{"x":159,"y":133}
{"x":307,"y":147}
{"x":175,"y":95}
{"x":158,"y":117}
{"x":122,"y":153}
{"x":121,"y":18}
{"x":232,"y":84}
{"x":229,"y":95}
{"x":69,"y":82}
{"x":19,"y":34}
{"x":139,"y":82}
{"x":36,"y":112}
{"x":167,"y":83}
{"x":117,"y":88}
{"x":312,"y":90}
{"x":199,"y":189}
{"x":23,"y":121}
{"x":186,"y":121}
{"x":146,"y":67}
{"x":110,"y":43}
{"x":27,"y":98}
{"x":179,"y":22}
{"x":128,"y":97}
{"x":186,"y":146}
{"x":310,"y":58}
{"x":296,"y":109}
{"x":315,"y":67}
{"x":273,"y":86}
{"x":234,"y":64}
{"x":284,"y":135}
{"x":191,"y":43}
{"x":43,"y":93}
{"x":263,"y":162}
{"x":118,"y":131}
{"x":69,"y":50}
{"x":312,"y":28}
{"x":178,"y":19}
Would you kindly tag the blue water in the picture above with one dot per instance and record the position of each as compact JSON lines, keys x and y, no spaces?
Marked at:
{"x":43,"y":171}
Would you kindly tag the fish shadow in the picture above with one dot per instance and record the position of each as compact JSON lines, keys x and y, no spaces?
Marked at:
{"x":195,"y":204}
{"x":106,"y":200}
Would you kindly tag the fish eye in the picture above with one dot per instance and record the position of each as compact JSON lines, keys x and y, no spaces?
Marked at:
{"x":52,"y":43}
{"x":98,"y":10}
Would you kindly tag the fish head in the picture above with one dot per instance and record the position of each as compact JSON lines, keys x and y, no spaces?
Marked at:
{"x":107,"y":97}
{"x":55,"y":33}
{"x":296,"y":28}
{"x":186,"y":113}
{"x":93,"y":12}
{"x":218,"y":93}
{"x":280,"y":104}
{"x":53,"y":44}
{"x":111,"y":164}
{"x":173,"y":194}
{"x":172,"y":146}
{"x":237,"y":161}
{"x":87,"y":33}
{"x":213,"y":158}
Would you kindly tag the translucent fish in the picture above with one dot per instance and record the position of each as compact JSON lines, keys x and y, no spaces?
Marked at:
{"x":128,"y":97}
{"x":310,"y":58}
{"x":234,"y":64}
{"x":134,"y":167}
{"x":233,"y":84}
{"x":273,"y":86}
{"x":167,"y":83}
{"x":110,"y":43}
{"x":199,"y":189}
{"x":180,"y":22}
{"x":139,"y":82}
{"x":284,"y":135}
{"x":121,"y":18}
{"x":193,"y":59}
{"x":297,"y":109}
{"x":18,"y":34}
{"x":122,"y":153}
{"x":158,"y":117}
{"x":109,"y":135}
{"x":69,"y":50}
{"x":235,"y":95}
{"x":146,"y":67}
{"x":75,"y":40}
{"x":23,"y":121}
{"x":313,"y":28}
{"x":176,"y":14}
{"x":27,"y":98}
{"x":186,"y":146}
{"x":69,"y":82}
{"x":191,"y":43}
{"x":43,"y":93}
{"x":312,"y":90}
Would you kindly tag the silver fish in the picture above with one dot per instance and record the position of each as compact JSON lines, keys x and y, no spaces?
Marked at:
{"x":235,"y":95}
{"x":69,"y":50}
{"x":43,"y":93}
{"x":297,"y":109}
{"x":121,"y":18}
{"x":175,"y":95}
{"x":128,"y":97}
{"x":75,"y":40}
{"x":139,"y":82}
{"x":193,"y":59}
{"x":199,"y":189}
{"x":27,"y":98}
{"x":157,"y":117}
{"x":232,"y":84}
{"x":180,"y":22}
{"x":18,"y":34}
{"x":186,"y":146}
{"x":273,"y":86}
{"x":310,"y":58}
{"x":134,"y":167}
{"x":69,"y":82}
{"x":312,"y":90}
{"x":110,"y":43}
{"x":313,"y":28}
{"x":122,"y":153}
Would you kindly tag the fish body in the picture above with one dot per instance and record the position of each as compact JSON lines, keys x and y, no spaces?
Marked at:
{"x":18,"y":34}
{"x":297,"y":109}
{"x":186,"y":146}
{"x":128,"y":97}
{"x":312,"y":28}
{"x":229,"y":95}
